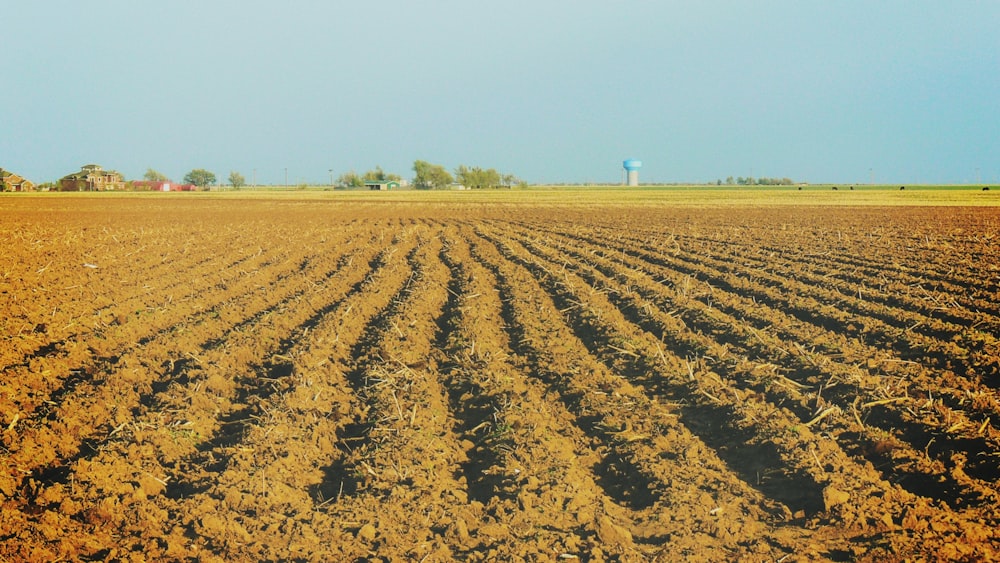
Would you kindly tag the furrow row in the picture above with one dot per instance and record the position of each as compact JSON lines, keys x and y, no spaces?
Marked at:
{"x":289,"y":458}
{"x":835,"y":393}
{"x":644,"y":444}
{"x":105,"y":407}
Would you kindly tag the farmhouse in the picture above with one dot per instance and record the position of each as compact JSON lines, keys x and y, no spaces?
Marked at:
{"x":92,"y":178}
{"x":382,"y":184}
{"x":10,"y":182}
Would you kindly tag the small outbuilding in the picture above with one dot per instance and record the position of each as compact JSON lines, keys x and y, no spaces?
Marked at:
{"x":92,"y":177}
{"x":10,"y":182}
{"x":382,"y":185}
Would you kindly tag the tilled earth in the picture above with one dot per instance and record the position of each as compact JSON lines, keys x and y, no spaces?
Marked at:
{"x":198,"y":379}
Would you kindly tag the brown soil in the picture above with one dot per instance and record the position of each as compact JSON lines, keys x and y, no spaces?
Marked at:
{"x":288,"y":380}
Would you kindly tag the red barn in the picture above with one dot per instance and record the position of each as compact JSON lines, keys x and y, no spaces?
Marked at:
{"x":163,"y":186}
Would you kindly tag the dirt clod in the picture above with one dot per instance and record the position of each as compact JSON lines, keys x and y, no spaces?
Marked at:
{"x":367,"y":533}
{"x":833,"y":497}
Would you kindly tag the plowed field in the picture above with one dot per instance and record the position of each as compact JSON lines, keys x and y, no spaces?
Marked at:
{"x":313,"y":379}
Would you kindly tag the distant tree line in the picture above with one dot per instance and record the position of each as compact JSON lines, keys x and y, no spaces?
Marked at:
{"x":154,"y":176}
{"x":751,"y":181}
{"x":478,"y":178}
{"x":435,"y":177}
{"x":236,"y":180}
{"x":353,"y":180}
{"x":200,"y":177}
{"x":427,"y":176}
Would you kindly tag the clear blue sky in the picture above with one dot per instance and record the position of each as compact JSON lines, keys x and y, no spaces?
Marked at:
{"x":552,"y":91}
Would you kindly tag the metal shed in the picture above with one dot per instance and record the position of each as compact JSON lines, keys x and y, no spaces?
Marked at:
{"x":382,"y":185}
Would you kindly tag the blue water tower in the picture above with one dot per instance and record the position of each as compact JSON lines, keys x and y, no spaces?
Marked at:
{"x":632,"y":167}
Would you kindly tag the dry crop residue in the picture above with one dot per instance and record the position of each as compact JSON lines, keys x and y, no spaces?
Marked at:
{"x":226,"y":379}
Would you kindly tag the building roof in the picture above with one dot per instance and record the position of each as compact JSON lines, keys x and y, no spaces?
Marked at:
{"x":88,"y":170}
{"x":15,"y":181}
{"x":8,"y":174}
